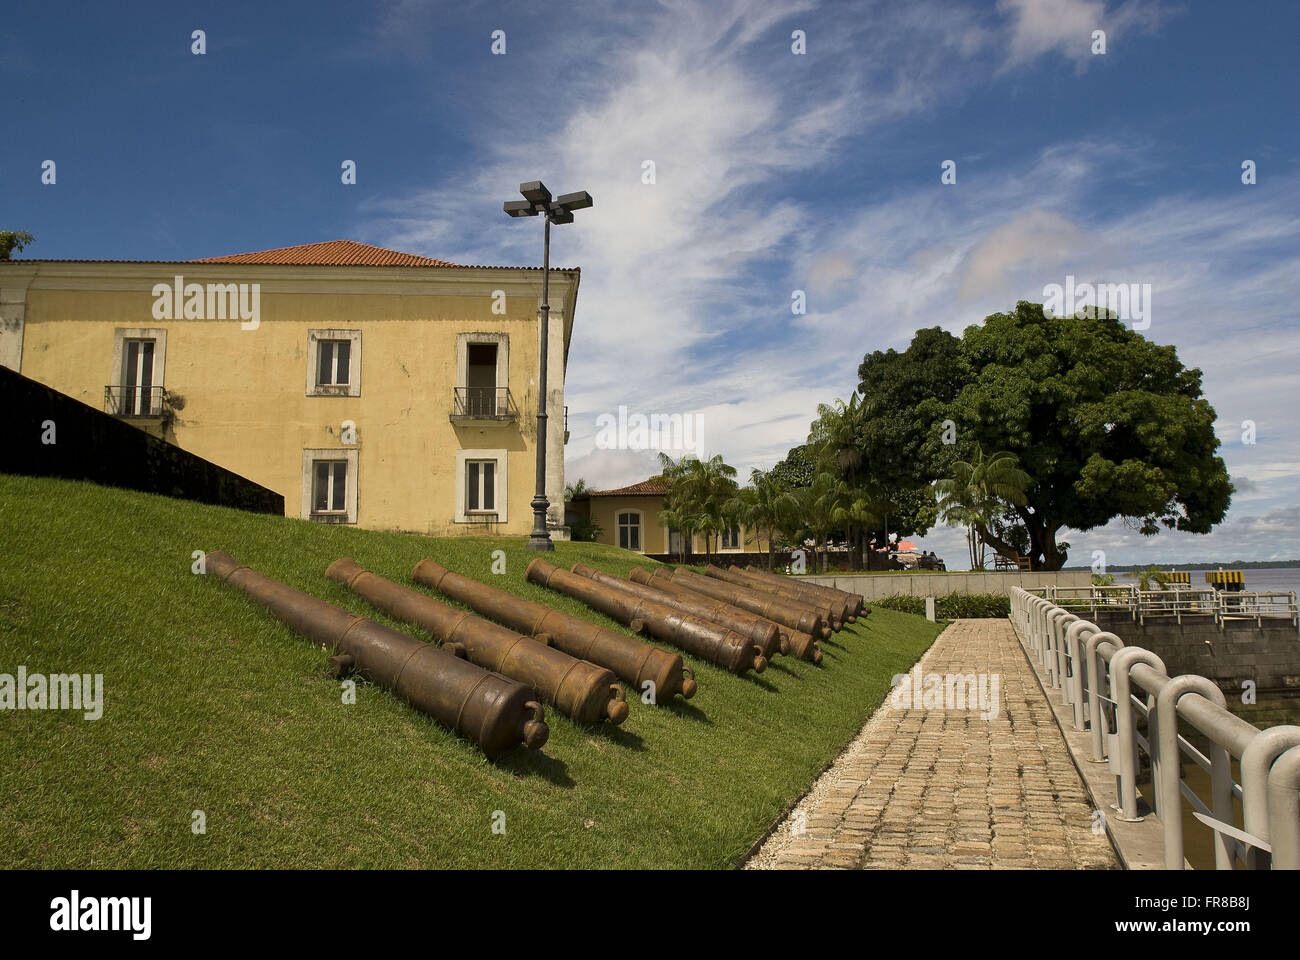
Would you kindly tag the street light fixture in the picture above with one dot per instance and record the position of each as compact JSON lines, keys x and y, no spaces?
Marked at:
{"x":537,"y":199}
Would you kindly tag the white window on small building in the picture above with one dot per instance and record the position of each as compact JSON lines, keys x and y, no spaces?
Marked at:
{"x":629,"y":530}
{"x":329,"y":485}
{"x":481,"y":486}
{"x":731,"y":539}
{"x":334,"y":363}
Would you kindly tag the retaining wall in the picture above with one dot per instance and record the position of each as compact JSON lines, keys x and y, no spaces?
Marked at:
{"x":874,"y":586}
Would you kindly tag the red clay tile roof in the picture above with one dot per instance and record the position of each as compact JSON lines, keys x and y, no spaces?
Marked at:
{"x":330,"y":253}
{"x":653,"y":487}
{"x":340,"y":253}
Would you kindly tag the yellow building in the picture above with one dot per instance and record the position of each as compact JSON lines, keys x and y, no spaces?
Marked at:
{"x":366,"y":385}
{"x":629,"y":517}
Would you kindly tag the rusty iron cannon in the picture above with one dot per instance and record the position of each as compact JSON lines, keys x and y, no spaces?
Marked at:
{"x":796,"y":643}
{"x":718,"y":645}
{"x":832,"y":611}
{"x":635,"y":661}
{"x":494,"y":711}
{"x":578,"y":689}
{"x":765,"y":633}
{"x":764,"y":604}
{"x":786,"y":586}
{"x":822,"y":609}
{"x":854,"y":605}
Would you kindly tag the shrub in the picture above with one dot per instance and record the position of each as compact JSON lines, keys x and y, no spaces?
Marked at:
{"x":951,"y":606}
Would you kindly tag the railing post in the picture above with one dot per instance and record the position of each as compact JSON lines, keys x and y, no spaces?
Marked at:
{"x":1284,"y":810}
{"x":1098,"y":674}
{"x":1256,"y":762}
{"x":1074,"y":692}
{"x":1126,"y":722}
{"x":1061,"y":618}
{"x":1167,"y":762}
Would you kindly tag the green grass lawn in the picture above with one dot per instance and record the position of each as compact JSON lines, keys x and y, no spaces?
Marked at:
{"x":211,"y":704}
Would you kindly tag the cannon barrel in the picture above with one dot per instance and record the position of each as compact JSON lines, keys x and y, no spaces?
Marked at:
{"x":718,"y":645}
{"x":764,"y":604}
{"x":832,"y":611}
{"x":763,"y":632}
{"x":635,"y":661}
{"x":793,"y":642}
{"x":838,"y":606}
{"x":852,"y":604}
{"x":578,"y":689}
{"x":494,"y":711}
{"x":823,"y":609}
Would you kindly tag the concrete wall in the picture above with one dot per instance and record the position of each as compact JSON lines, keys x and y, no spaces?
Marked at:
{"x":56,"y":436}
{"x":874,"y":586}
{"x":246,"y":401}
{"x":1269,"y":655}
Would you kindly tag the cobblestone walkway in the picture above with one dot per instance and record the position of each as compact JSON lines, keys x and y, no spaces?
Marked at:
{"x":934,"y":788}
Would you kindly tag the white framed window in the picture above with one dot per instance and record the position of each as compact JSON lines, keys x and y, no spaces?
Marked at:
{"x":732,"y":539}
{"x":629,"y":530}
{"x":333,"y":363}
{"x":139,"y":363}
{"x":329,"y":485}
{"x":481,"y":486}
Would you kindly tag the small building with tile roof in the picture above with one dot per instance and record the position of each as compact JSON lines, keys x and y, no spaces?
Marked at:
{"x":630,"y":517}
{"x":369,"y":386}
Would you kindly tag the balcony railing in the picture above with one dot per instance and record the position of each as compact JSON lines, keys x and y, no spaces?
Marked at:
{"x":135,"y":402}
{"x":483,"y":403}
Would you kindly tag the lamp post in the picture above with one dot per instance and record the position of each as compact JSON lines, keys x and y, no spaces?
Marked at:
{"x":537,"y":199}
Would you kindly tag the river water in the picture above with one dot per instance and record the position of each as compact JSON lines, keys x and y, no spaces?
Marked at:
{"x":1276,"y":579}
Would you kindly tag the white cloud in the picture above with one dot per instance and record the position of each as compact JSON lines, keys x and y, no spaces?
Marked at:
{"x":1065,"y":27}
{"x":685,"y":304}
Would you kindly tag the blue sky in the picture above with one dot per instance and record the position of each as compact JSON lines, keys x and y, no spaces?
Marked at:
{"x":774,"y":172}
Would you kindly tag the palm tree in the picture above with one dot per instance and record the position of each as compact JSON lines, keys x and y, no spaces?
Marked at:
{"x":814,"y":506}
{"x":1149,"y":575}
{"x":976,"y":493}
{"x":834,"y":437}
{"x":698,"y":494}
{"x":856,"y":509}
{"x":576,"y":489}
{"x":758,"y":507}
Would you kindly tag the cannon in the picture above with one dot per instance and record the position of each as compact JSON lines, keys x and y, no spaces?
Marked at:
{"x":763,"y":632}
{"x":635,"y":661}
{"x":823,"y":609}
{"x":718,"y":645}
{"x":835,"y":612}
{"x":793,"y":642}
{"x":494,"y":711}
{"x":855,"y":606}
{"x":786,"y":586}
{"x":764,"y":604}
{"x":578,"y":689}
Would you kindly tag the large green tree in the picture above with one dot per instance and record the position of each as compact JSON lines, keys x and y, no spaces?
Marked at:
{"x":1105,"y":422}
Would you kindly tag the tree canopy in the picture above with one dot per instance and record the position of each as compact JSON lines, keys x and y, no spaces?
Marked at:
{"x":1105,"y":422}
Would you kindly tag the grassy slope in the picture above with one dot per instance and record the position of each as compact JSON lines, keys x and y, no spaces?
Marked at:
{"x":212,"y":704}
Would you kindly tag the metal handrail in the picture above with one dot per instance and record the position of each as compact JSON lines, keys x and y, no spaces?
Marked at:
{"x":1108,"y":684}
{"x":483,"y":403}
{"x":127,"y":401}
{"x":1176,"y":602}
